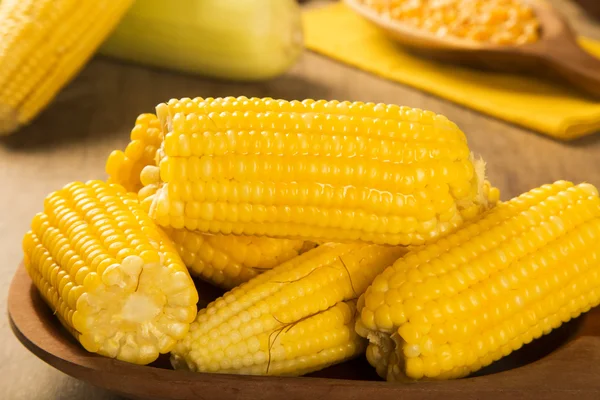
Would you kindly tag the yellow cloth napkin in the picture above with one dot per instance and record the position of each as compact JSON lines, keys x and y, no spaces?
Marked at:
{"x":544,"y":106}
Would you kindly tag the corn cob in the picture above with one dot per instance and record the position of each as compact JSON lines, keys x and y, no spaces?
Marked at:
{"x":109,"y":273}
{"x":503,"y":22}
{"x":498,"y":283}
{"x":44,"y":44}
{"x":326,"y":171}
{"x":291,"y":320}
{"x":225,"y":261}
{"x":244,"y":40}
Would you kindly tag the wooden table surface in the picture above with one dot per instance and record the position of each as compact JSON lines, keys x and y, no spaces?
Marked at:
{"x":94,"y":114}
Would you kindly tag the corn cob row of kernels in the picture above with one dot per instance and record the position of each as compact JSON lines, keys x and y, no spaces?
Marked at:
{"x":470,"y":298}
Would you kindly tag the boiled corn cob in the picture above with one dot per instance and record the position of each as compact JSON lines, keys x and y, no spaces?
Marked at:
{"x":502,"y":22}
{"x":318,"y":170}
{"x":109,"y":273}
{"x":291,"y":320}
{"x":43,"y":45}
{"x":457,"y":305}
{"x":225,"y":261}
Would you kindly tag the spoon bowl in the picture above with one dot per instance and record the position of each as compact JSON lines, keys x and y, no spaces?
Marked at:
{"x":556,"y":53}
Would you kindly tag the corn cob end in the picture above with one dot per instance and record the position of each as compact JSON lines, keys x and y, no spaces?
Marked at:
{"x":146,"y":314}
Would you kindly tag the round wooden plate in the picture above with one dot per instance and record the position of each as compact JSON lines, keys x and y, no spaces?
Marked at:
{"x":564,"y":364}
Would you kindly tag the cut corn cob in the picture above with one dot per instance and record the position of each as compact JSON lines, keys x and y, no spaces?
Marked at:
{"x":319,"y":170}
{"x":470,"y":298}
{"x":44,"y":44}
{"x":291,"y":320}
{"x":109,"y":273}
{"x":503,"y":22}
{"x":225,"y":261}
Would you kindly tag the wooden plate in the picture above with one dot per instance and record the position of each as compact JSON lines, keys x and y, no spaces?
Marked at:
{"x":564,"y":364}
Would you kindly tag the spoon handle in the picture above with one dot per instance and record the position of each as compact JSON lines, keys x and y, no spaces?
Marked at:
{"x":574,"y":64}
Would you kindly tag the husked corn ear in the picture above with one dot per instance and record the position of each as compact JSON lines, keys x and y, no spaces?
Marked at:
{"x":44,"y":44}
{"x":503,"y":22}
{"x":472,"y":297}
{"x":291,"y":320}
{"x":124,"y":167}
{"x":329,"y":171}
{"x":109,"y":273}
{"x":247,"y":40}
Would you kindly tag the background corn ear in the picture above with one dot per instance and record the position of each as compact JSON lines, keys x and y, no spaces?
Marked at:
{"x":475,"y":296}
{"x":245,"y":40}
{"x":44,"y":44}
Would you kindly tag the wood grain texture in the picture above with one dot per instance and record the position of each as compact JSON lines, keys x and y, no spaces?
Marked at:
{"x":570,"y":371}
{"x":94,"y":114}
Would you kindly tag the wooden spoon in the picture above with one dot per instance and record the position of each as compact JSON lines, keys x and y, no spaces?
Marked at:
{"x":556,"y":51}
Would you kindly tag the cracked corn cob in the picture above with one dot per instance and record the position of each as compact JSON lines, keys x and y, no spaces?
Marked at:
{"x":225,"y":261}
{"x":109,"y":273}
{"x":470,"y":298}
{"x":316,"y":170}
{"x":44,"y":44}
{"x":291,"y":320}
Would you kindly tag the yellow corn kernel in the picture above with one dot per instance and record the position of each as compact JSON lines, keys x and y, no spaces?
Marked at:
{"x":293,"y":319}
{"x":110,"y":274}
{"x":124,"y":167}
{"x":316,"y":170}
{"x":44,"y":44}
{"x":474,"y":296}
{"x":502,"y":22}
